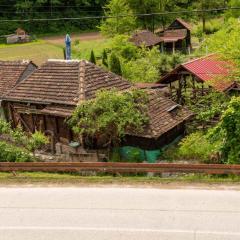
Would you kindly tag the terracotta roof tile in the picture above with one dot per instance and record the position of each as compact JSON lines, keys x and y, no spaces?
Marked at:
{"x":164,"y":115}
{"x":10,"y":74}
{"x":65,"y":82}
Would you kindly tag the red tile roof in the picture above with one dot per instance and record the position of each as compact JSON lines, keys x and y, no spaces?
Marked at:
{"x":210,"y":69}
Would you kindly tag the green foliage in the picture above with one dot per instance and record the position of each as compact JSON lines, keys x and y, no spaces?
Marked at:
{"x":111,"y":115}
{"x":114,"y":64}
{"x":233,"y":13}
{"x":121,"y":23}
{"x":5,"y":127}
{"x":150,"y":62}
{"x":228,"y":132}
{"x":36,"y":141}
{"x":207,"y":108}
{"x":212,"y":26}
{"x":197,"y":146}
{"x":92,"y":58}
{"x":225,"y":41}
{"x":11,"y":153}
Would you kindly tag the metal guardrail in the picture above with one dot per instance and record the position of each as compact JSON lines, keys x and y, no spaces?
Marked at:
{"x":110,"y":167}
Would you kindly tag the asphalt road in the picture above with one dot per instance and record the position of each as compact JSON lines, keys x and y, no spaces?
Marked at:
{"x":118,"y":214}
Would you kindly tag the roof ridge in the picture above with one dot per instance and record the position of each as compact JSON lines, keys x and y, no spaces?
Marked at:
{"x":197,"y":59}
{"x":81,"y":77}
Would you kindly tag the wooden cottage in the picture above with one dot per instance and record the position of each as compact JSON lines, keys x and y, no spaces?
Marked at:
{"x":12,"y":73}
{"x":44,"y":100}
{"x":199,"y":76}
{"x":20,"y":36}
{"x":176,"y":37}
{"x":145,"y":38}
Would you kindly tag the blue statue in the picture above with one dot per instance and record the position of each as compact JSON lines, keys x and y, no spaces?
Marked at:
{"x":68,"y":47}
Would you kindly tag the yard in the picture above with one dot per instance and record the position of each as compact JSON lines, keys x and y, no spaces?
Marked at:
{"x":38,"y":52}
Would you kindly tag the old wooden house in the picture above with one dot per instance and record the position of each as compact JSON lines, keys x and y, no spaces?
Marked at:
{"x":176,"y":37}
{"x":145,"y":38}
{"x":44,"y":100}
{"x":200,"y":76}
{"x":20,"y":36}
{"x":12,"y":73}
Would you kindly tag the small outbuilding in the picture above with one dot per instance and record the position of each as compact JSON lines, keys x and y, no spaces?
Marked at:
{"x":176,"y":37}
{"x":145,"y":38}
{"x":199,"y":76}
{"x":20,"y":36}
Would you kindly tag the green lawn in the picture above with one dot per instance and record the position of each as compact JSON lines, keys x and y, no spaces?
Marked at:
{"x":38,"y":52}
{"x":83,"y":49}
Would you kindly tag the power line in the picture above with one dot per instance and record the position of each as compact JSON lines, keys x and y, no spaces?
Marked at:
{"x":120,"y":15}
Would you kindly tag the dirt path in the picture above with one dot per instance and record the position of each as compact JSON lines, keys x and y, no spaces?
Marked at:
{"x":75,"y":36}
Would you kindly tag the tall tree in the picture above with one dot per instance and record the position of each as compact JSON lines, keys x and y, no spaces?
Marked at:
{"x":120,"y":19}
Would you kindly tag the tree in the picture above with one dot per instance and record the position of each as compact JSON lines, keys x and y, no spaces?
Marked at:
{"x":206,"y":5}
{"x":92,"y":58}
{"x":111,"y":115}
{"x":228,"y":131}
{"x":114,"y":64}
{"x":105,"y":58}
{"x":120,"y":19}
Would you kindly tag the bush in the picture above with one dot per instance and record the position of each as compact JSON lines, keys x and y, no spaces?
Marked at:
{"x":5,"y":127}
{"x":196,"y":146}
{"x":10,"y":153}
{"x":36,"y":141}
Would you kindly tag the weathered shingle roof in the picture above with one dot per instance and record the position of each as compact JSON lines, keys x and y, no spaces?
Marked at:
{"x":65,"y":82}
{"x":164,"y":115}
{"x":182,"y":22}
{"x":174,"y":35}
{"x":211,"y":69}
{"x":11,"y":73}
{"x":146,"y":38}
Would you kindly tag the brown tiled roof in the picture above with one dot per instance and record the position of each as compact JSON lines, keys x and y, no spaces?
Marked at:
{"x":10,"y":74}
{"x":65,"y":82}
{"x":164,"y":115}
{"x":146,"y":38}
{"x":174,"y":35}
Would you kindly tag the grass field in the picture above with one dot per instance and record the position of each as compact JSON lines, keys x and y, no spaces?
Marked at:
{"x":83,"y":49}
{"x":38,"y":52}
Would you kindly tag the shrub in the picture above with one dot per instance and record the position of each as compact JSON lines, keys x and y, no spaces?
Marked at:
{"x":36,"y":141}
{"x":5,"y":127}
{"x":10,"y":153}
{"x":92,"y":57}
{"x":196,"y":146}
{"x":114,"y":64}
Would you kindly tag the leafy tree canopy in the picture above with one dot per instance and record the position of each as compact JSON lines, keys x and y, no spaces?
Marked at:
{"x":121,"y":22}
{"x":111,"y":115}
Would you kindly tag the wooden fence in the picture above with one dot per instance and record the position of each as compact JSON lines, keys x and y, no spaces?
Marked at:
{"x":120,"y":167}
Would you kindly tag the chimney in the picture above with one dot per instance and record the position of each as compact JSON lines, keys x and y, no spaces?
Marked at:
{"x":68,"y":47}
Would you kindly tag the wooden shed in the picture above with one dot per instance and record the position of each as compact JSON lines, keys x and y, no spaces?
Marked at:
{"x":176,"y":37}
{"x":199,"y":76}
